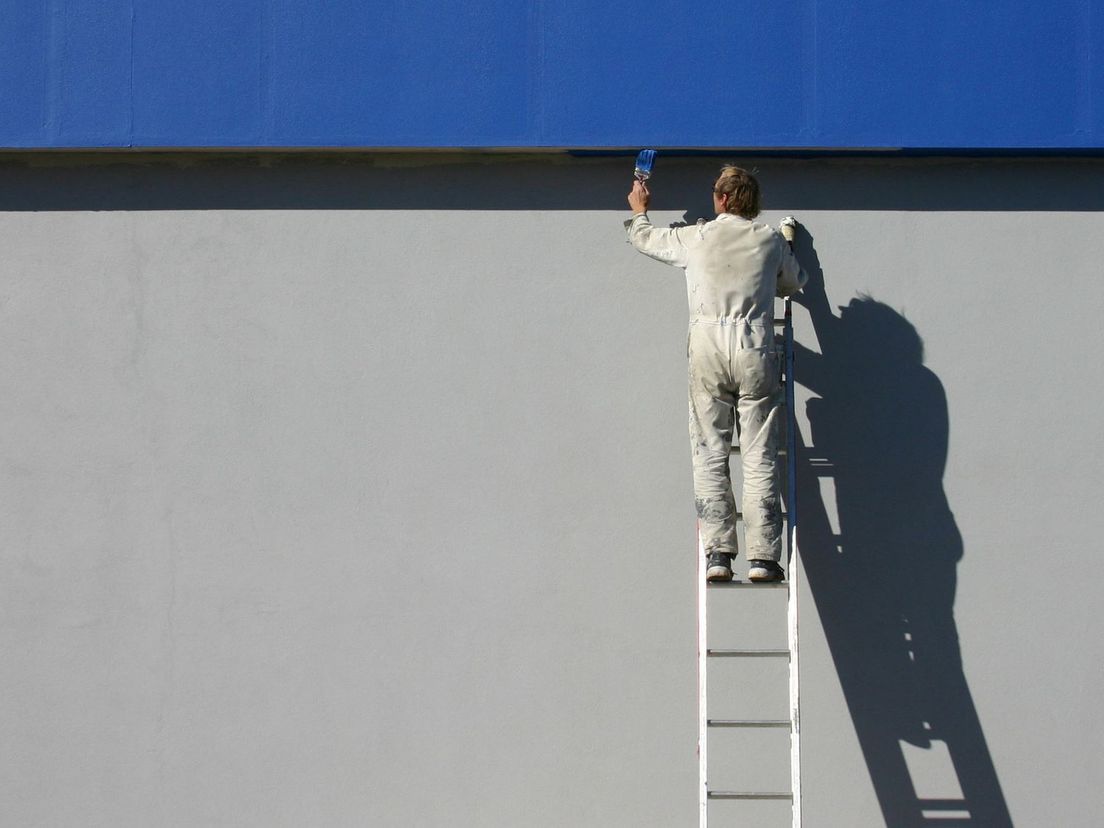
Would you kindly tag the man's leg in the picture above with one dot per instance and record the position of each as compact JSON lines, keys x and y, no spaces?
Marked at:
{"x":760,"y":420}
{"x":711,"y":422}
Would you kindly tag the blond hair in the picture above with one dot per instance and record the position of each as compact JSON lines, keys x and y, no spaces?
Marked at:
{"x":742,"y":190}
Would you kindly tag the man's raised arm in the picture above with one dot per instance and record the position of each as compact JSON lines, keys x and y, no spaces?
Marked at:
{"x":666,"y":245}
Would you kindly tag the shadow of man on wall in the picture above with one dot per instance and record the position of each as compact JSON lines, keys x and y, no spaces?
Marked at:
{"x":884,"y":586}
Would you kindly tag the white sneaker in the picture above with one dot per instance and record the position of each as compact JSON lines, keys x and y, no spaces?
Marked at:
{"x":765,"y":571}
{"x":719,"y":567}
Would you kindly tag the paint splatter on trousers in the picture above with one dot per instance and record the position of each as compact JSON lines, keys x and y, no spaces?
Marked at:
{"x":734,"y":392}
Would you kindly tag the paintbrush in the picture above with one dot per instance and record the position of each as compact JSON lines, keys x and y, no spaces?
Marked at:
{"x":644,"y":161}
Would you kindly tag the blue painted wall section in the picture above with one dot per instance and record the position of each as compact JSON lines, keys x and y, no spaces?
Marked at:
{"x":833,"y":74}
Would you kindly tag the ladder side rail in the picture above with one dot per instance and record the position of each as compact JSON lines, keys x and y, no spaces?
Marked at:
{"x":703,"y":661}
{"x":792,"y":608}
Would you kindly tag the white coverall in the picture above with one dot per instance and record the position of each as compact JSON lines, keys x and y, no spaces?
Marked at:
{"x":734,"y":269}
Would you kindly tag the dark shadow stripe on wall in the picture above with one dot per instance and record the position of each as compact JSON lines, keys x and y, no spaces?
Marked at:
{"x":450,"y":181}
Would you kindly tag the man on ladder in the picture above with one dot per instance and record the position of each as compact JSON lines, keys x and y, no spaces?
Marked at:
{"x":734,"y":267}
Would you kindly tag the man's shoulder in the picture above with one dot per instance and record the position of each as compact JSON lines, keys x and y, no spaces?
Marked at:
{"x":764,"y":228}
{"x":739,"y":224}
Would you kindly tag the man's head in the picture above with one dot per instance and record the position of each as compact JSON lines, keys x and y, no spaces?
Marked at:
{"x":736,"y":191}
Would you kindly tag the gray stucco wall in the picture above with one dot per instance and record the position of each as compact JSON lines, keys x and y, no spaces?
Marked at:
{"x":355,"y":491}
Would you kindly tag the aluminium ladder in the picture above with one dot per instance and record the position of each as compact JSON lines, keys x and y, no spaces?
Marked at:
{"x":790,"y":587}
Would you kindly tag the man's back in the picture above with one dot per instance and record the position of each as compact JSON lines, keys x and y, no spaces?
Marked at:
{"x":732,"y":270}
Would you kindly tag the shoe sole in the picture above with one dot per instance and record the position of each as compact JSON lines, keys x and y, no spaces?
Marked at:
{"x":765,"y":576}
{"x":718,"y":573}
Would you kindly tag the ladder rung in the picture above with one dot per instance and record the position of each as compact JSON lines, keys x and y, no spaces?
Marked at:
{"x":749,"y":723}
{"x":750,"y":795}
{"x":943,"y":804}
{"x":733,"y":584}
{"x":747,"y":653}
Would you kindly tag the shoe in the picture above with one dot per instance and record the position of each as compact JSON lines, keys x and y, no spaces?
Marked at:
{"x":765,"y":571}
{"x":718,"y":567}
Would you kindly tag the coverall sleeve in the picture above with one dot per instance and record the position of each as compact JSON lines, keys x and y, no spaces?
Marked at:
{"x":791,"y":277}
{"x":669,"y":245}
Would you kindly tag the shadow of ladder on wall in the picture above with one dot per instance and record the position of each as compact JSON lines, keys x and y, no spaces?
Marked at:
{"x":788,"y":589}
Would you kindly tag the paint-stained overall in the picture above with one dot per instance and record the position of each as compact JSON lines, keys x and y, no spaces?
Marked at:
{"x":734,"y":269}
